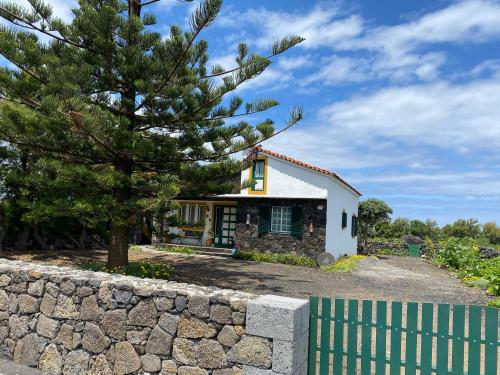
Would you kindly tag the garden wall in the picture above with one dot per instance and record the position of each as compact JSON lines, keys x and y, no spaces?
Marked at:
{"x":71,"y":322}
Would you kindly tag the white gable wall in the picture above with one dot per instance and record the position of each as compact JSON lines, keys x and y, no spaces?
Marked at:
{"x":287,"y":180}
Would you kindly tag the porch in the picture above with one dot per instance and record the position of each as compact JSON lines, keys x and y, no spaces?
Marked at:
{"x":205,"y":224}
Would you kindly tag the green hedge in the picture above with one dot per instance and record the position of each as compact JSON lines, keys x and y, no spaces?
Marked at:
{"x":284,"y":258}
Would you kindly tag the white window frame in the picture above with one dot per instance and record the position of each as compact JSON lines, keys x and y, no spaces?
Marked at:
{"x":185,"y":213}
{"x":282,"y":214}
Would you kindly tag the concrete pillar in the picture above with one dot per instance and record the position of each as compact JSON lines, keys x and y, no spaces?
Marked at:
{"x":286,"y":322}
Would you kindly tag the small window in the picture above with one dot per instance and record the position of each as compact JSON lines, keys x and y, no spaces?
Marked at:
{"x":192,"y":214}
{"x":344,"y":219}
{"x":258,"y":172}
{"x":281,"y":219}
{"x":354,"y":226}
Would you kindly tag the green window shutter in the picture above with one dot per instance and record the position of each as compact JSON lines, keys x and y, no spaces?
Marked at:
{"x":297,"y":222}
{"x":264,"y":223}
{"x":344,"y":219}
{"x":354,"y":226}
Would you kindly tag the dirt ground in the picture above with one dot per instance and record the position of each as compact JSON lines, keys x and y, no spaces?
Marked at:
{"x":384,"y":278}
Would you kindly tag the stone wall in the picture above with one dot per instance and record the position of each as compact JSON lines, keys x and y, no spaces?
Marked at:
{"x":311,"y":244}
{"x":71,"y":322}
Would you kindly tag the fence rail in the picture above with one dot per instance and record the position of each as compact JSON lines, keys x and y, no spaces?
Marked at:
{"x":435,"y":339}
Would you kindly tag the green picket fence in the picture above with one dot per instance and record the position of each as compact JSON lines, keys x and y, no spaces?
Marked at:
{"x":347,"y":338}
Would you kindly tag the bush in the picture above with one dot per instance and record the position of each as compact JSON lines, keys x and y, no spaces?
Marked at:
{"x":145,"y":270}
{"x":494,"y":303}
{"x":268,"y":257}
{"x":176,"y":249}
{"x":344,"y":264}
{"x":464,"y":257}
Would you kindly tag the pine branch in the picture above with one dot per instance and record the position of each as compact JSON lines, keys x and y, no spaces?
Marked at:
{"x":279,"y":47}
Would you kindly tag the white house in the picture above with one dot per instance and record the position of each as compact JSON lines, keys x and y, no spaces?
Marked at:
{"x":285,"y":205}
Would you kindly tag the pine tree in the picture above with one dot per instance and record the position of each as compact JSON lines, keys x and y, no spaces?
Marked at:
{"x":139,"y":110}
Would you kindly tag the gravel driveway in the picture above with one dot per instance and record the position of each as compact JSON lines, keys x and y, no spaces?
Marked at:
{"x":383,"y":278}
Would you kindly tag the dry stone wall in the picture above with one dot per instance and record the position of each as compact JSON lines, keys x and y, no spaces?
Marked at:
{"x":71,"y":322}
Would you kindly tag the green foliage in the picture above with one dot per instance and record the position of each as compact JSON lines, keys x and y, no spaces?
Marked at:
{"x":176,"y":249}
{"x":388,"y":251}
{"x":285,"y":258}
{"x":463,"y":256}
{"x":372,"y":212}
{"x":344,"y":264}
{"x":461,"y":228}
{"x":491,"y":232}
{"x":145,"y":270}
{"x":494,"y":303}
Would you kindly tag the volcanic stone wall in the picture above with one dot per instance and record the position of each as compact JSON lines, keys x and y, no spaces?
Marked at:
{"x":72,"y":322}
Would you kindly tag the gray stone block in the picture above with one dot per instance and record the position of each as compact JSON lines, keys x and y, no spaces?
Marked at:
{"x":277,"y":317}
{"x":289,"y":356}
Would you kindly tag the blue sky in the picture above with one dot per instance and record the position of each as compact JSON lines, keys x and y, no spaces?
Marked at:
{"x":401,"y":98}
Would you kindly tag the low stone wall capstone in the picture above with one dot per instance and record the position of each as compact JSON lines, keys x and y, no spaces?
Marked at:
{"x":72,"y":322}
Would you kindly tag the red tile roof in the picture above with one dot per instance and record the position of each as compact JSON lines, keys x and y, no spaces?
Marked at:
{"x":305,"y":165}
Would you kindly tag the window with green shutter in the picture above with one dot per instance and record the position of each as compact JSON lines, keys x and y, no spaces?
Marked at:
{"x":297,"y":222}
{"x":258,"y":175}
{"x":344,"y":219}
{"x":354,"y":226}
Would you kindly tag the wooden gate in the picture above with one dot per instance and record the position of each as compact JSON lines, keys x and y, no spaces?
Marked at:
{"x":436,"y":339}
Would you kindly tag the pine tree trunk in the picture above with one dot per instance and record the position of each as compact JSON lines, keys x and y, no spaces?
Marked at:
{"x":22,"y":238}
{"x":82,"y":239}
{"x":118,"y":250}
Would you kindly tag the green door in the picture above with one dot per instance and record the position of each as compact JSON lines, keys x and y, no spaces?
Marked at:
{"x":224,"y":226}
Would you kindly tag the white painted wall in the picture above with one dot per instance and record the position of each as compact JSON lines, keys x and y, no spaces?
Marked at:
{"x":287,"y":180}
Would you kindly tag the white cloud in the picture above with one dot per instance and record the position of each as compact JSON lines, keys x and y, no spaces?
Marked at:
{"x":400,"y":126}
{"x":399,"y":53}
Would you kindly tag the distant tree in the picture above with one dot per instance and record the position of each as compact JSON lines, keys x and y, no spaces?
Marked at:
{"x":427,"y":229}
{"x":492,"y":232}
{"x":463,"y":228}
{"x":372,"y":212}
{"x":400,"y":227}
{"x":136,"y":107}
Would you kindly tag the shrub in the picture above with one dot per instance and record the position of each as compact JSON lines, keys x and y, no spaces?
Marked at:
{"x":285,"y":258}
{"x":344,"y":264}
{"x":494,"y":303}
{"x":464,"y":257}
{"x":149,"y":270}
{"x":176,"y":249}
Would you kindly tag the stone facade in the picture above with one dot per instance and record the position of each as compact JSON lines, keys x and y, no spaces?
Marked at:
{"x":311,"y":244}
{"x":72,"y":322}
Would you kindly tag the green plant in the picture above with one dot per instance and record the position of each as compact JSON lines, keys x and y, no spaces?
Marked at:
{"x":176,"y":249}
{"x":135,"y":248}
{"x":149,"y":270}
{"x":388,"y":251}
{"x":285,"y":258}
{"x":344,"y":264}
{"x":494,"y":303}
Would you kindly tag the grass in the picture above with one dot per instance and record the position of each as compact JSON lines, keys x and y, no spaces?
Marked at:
{"x":396,"y":252}
{"x":285,"y":258}
{"x":176,"y":249}
{"x":145,"y":270}
{"x":344,"y":264}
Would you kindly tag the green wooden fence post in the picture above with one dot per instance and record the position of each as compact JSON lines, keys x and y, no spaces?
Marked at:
{"x":313,"y":335}
{"x":380,"y":353}
{"x":366,"y":338}
{"x":324,"y":354}
{"x":352,"y":337}
{"x":338,"y":338}
{"x":396,"y":320}
{"x":491,"y":344}
{"x":457,"y":349}
{"x":411,"y":338}
{"x":426,"y":339}
{"x":474,"y":340}
{"x":442,"y":339}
